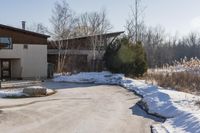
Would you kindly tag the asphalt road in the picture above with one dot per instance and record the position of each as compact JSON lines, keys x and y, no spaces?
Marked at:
{"x":76,"y":109}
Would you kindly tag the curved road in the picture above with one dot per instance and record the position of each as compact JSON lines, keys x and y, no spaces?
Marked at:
{"x":76,"y":109}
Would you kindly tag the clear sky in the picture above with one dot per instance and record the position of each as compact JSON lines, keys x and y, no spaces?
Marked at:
{"x":181,"y":16}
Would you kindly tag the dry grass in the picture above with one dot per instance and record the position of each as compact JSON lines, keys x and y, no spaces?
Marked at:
{"x":181,"y":81}
{"x":183,"y":76}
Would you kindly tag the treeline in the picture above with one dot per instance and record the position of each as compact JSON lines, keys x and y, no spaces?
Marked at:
{"x":162,"y":49}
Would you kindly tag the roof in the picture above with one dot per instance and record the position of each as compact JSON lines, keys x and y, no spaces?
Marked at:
{"x":98,"y":35}
{"x":82,"y":41}
{"x":23,"y":31}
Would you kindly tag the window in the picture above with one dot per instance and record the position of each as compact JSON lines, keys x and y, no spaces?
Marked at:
{"x":25,"y":46}
{"x":5,"y":42}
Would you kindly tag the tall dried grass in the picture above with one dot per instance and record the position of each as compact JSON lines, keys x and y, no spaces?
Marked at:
{"x":182,"y":76}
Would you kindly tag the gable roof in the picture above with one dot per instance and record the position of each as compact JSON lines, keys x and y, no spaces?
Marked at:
{"x":23,"y":31}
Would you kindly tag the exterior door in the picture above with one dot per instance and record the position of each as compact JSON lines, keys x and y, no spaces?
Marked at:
{"x":5,"y":69}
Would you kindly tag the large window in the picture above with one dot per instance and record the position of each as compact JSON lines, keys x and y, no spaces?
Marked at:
{"x":6,"y":42}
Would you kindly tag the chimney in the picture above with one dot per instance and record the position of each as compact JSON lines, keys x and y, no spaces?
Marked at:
{"x":24,"y":25}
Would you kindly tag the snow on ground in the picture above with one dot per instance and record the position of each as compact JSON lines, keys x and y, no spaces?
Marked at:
{"x":11,"y":93}
{"x":91,"y":77}
{"x":17,"y":93}
{"x":179,"y":109}
{"x":49,"y":91}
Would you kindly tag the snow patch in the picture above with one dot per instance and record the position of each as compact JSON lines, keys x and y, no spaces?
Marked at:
{"x":92,"y":77}
{"x":17,"y":93}
{"x":12,"y":93}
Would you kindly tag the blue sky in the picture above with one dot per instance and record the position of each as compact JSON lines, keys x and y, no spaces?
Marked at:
{"x":176,"y":16}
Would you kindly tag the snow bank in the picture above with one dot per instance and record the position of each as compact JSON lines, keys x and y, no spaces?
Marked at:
{"x":179,"y":108}
{"x":92,"y":77}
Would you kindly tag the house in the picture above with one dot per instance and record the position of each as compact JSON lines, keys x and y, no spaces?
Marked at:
{"x":23,"y":54}
{"x":82,"y":53}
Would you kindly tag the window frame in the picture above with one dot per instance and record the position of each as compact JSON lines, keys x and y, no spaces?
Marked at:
{"x":11,"y":43}
{"x":25,"y":46}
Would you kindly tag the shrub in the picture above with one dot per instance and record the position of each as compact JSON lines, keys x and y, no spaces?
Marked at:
{"x":125,"y":57}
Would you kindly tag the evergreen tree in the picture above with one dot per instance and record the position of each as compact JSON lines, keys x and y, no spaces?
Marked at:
{"x":125,"y":57}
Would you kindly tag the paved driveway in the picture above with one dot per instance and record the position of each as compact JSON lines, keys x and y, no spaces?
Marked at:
{"x":76,"y":109}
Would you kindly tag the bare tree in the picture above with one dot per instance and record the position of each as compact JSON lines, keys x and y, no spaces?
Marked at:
{"x":99,"y":25}
{"x":163,"y":49}
{"x":135,"y":24}
{"x":94,"y":24}
{"x":63,"y":22}
{"x":66,"y":25}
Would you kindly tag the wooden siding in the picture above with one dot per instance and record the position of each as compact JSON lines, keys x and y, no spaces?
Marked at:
{"x":73,"y":63}
{"x":23,"y":37}
{"x":78,"y":44}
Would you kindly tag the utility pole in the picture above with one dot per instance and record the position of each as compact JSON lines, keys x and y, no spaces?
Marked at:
{"x":135,"y":24}
{"x":136,"y":21}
